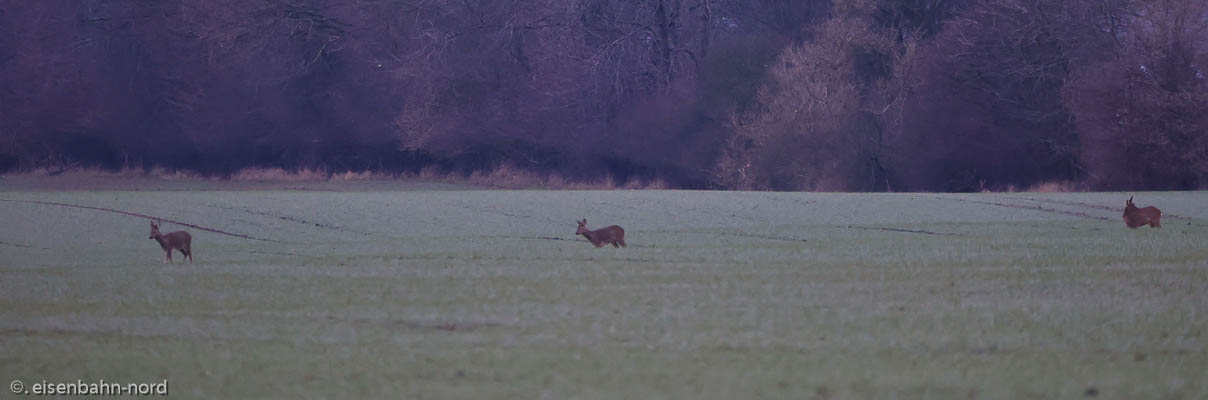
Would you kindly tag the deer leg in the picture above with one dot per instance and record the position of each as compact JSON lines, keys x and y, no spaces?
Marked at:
{"x":622,"y":241}
{"x":614,"y":244}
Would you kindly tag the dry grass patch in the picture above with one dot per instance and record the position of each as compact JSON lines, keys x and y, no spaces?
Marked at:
{"x":1057,"y":187}
{"x":504,"y":177}
{"x":279,"y":175}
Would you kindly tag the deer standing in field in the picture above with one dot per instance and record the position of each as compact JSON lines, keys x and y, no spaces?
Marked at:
{"x":613,"y":235}
{"x":1135,"y":217}
{"x":179,"y":240}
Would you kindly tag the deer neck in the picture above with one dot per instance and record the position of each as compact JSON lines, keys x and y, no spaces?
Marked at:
{"x":160,"y":239}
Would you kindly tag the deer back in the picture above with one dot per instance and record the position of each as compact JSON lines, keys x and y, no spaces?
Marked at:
{"x":608,"y":234}
{"x":177,"y":239}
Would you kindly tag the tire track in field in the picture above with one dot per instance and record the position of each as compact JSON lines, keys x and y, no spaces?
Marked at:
{"x":1190,"y":220}
{"x":904,"y":230}
{"x":466,"y":205}
{"x":765,"y":237}
{"x":555,"y":238}
{"x":23,"y":245}
{"x":732,"y":215}
{"x":623,"y":205}
{"x":748,"y":235}
{"x":1065,"y":202}
{"x":293,"y":219}
{"x":269,"y":252}
{"x":134,"y":214}
{"x":1023,"y":207}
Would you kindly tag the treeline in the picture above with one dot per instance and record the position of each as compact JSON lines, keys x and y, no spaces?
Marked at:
{"x":853,"y":95}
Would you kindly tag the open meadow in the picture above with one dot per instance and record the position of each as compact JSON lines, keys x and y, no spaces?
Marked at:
{"x":414,"y":290}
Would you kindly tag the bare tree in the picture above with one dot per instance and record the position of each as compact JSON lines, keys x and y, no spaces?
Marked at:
{"x":989,"y":112}
{"x":1142,"y":113}
{"x":762,"y":94}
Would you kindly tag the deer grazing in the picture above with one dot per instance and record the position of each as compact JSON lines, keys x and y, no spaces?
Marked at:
{"x":179,"y":240}
{"x":613,"y":235}
{"x":1135,"y":217}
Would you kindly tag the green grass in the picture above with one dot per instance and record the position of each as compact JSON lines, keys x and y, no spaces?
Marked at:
{"x":428,"y":292}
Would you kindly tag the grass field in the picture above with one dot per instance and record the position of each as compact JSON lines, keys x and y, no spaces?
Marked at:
{"x":397,"y":290}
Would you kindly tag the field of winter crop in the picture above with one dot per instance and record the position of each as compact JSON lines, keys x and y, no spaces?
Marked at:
{"x":394,"y":290}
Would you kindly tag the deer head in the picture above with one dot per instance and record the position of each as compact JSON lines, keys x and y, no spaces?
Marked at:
{"x":154,"y":230}
{"x":582,"y":227}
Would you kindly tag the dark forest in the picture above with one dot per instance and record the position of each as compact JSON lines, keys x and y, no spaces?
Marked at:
{"x":843,"y":95}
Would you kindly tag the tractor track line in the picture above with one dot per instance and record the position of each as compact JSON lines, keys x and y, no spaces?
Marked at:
{"x":1062,"y":202}
{"x":218,"y":231}
{"x":897,"y":230}
{"x":293,"y":219}
{"x":1037,"y":208}
{"x":23,"y":245}
{"x":1190,"y":220}
{"x":765,"y":237}
{"x":554,"y":238}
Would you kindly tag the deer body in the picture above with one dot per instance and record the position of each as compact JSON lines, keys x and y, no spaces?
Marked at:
{"x":179,"y":240}
{"x":1135,"y":217}
{"x":613,"y":235}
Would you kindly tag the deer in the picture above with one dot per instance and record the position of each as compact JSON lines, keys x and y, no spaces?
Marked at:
{"x":179,"y":240}
{"x":1135,"y":217}
{"x":613,"y":235}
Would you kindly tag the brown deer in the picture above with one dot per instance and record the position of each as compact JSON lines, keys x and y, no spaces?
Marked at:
{"x":613,"y":235}
{"x":179,"y":240}
{"x":1135,"y":217}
